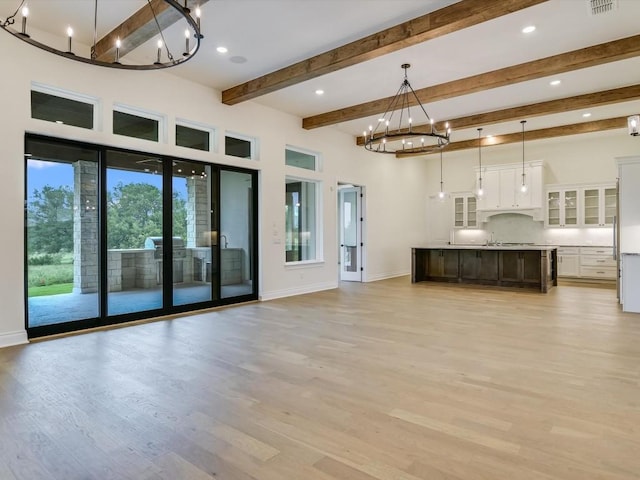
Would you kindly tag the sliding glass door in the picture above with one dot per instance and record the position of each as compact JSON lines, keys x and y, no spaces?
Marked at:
{"x":236,"y":234}
{"x":194,"y":233}
{"x":135,"y":247}
{"x":61,"y":244}
{"x":114,"y":236}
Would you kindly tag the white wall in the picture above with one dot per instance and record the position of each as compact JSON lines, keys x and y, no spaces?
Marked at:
{"x":395,"y":189}
{"x":575,"y":159}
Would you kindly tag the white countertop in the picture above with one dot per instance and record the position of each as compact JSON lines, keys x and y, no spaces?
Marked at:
{"x":446,"y":246}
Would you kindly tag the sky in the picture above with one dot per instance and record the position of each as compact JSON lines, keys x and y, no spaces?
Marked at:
{"x":41,"y":173}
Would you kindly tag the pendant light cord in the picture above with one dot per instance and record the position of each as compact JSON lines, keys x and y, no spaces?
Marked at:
{"x":95,"y":30}
{"x":441,"y":182}
{"x":523,"y":122}
{"x":155,"y":18}
{"x":11,"y":19}
{"x":480,"y":154}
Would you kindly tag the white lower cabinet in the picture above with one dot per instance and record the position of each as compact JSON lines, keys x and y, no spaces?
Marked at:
{"x":597,"y":262}
{"x":569,"y":262}
{"x":587,"y":263}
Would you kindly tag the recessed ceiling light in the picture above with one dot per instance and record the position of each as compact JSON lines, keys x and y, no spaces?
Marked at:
{"x":529,"y":29}
{"x":222,"y":49}
{"x":555,"y":83}
{"x":319,"y":92}
{"x":59,"y":121}
{"x":489,"y":136}
{"x":586,"y":115}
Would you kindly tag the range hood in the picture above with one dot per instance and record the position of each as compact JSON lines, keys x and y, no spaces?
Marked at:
{"x":503,"y":190}
{"x":536,"y":214}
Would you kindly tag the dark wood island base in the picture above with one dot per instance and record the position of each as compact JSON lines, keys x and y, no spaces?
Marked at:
{"x":521,"y":266}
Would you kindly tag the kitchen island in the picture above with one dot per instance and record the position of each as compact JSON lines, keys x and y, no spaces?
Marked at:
{"x":523,"y":266}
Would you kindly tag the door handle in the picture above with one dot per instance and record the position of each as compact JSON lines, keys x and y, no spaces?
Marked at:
{"x":615,"y":238}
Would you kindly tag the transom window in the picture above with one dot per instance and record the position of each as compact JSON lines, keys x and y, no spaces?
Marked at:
{"x":63,"y":107}
{"x":198,"y":137}
{"x":299,"y":158}
{"x":132,"y":122}
{"x":240,"y":146}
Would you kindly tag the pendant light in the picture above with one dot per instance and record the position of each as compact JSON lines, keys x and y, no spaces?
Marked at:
{"x":441,"y":194}
{"x":480,"y":190}
{"x":523,"y":187}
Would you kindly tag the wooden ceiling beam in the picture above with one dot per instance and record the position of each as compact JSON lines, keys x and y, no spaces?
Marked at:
{"x":139,"y":28}
{"x":544,"y":133}
{"x":455,"y":17}
{"x":565,"y":62}
{"x":597,"y":99}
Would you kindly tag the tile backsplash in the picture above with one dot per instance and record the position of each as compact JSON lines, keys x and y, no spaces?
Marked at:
{"x":516,"y":228}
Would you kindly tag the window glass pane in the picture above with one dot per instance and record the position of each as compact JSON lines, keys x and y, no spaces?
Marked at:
{"x":300,"y":160}
{"x":300,"y":220}
{"x":195,"y":269}
{"x":134,"y":232}
{"x":61,"y":110}
{"x":236,"y":234}
{"x":62,"y":233}
{"x":192,"y":138}
{"x":135,"y":126}
{"x":237,"y":147}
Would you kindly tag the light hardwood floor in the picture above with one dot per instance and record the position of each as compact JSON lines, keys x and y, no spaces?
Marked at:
{"x":386,"y":381}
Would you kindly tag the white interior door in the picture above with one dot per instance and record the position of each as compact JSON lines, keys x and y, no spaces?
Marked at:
{"x":350,"y":204}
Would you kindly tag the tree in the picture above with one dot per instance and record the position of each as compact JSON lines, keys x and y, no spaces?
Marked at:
{"x":179,"y":216}
{"x":135,"y":213}
{"x":50,"y":220}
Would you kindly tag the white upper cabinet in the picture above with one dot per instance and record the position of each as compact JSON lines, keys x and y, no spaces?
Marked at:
{"x":581,"y":205}
{"x":502,"y":187}
{"x":464,"y":211}
{"x":598,"y":206}
{"x":562,"y":207}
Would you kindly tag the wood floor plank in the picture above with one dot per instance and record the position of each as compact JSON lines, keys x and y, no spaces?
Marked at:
{"x":386,"y":380}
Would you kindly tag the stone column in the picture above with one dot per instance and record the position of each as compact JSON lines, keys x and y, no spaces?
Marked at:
{"x":85,"y":227}
{"x":198,"y":212}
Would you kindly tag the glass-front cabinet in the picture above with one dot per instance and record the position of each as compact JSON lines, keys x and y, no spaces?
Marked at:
{"x":599,"y":206}
{"x":465,"y":211}
{"x":562,"y":208}
{"x":581,"y":205}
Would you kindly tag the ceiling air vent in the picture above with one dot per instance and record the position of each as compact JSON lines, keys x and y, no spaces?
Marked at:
{"x":598,"y":7}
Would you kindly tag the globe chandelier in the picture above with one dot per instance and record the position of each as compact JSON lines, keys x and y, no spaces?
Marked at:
{"x":397,"y":131}
{"x":111,"y":50}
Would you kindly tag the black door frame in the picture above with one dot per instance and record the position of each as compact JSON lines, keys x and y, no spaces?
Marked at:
{"x":167,"y":292}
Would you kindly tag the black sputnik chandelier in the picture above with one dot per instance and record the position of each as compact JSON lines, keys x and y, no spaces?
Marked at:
{"x":397,"y":131}
{"x":111,"y":49}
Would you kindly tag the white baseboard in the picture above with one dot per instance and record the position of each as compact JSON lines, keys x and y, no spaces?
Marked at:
{"x":289,"y":292}
{"x":384,"y":276}
{"x":13,"y":338}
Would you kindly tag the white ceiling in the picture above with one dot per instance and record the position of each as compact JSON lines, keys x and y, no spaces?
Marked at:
{"x":271,"y":34}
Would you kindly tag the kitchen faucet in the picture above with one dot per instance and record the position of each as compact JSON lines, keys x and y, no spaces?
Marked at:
{"x":226,"y":243}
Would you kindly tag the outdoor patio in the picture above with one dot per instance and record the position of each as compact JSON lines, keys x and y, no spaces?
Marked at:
{"x":52,"y":309}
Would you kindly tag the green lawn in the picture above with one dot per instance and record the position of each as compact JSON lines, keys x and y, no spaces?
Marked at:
{"x":50,"y":290}
{"x":49,"y":275}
